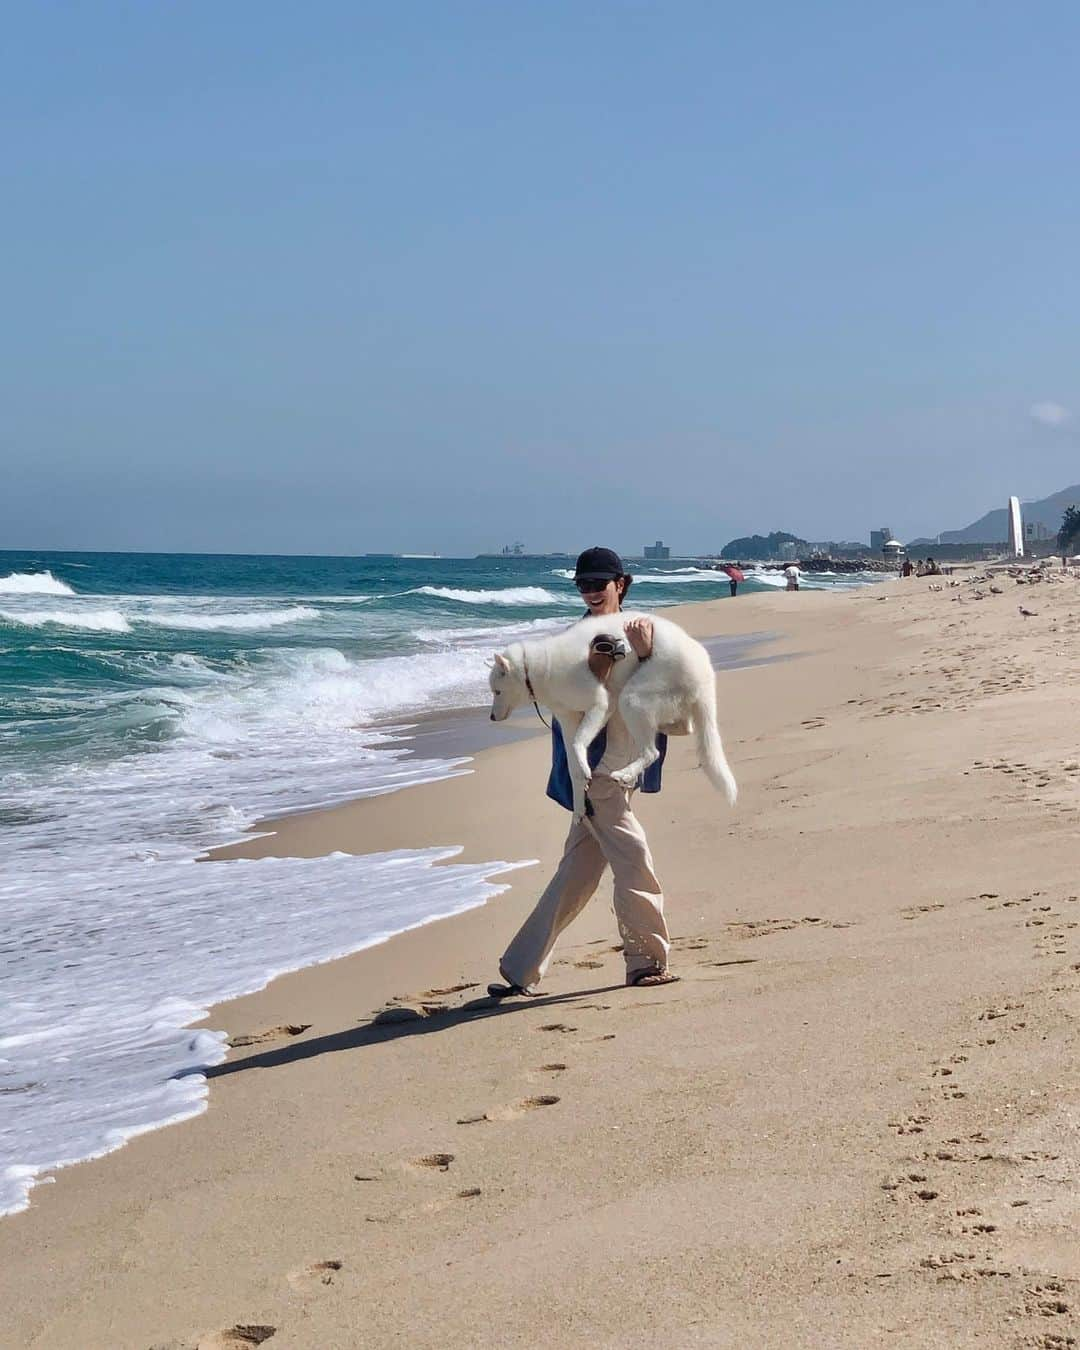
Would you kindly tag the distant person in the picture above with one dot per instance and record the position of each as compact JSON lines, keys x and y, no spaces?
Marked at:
{"x":734,"y":575}
{"x":792,"y":574}
{"x":907,"y":568}
{"x":932,"y":568}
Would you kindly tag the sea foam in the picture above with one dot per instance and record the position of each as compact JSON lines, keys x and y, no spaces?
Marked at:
{"x":33,"y":583}
{"x":96,"y":620}
{"x":96,"y":1052}
{"x":96,"y":1047}
{"x":511,"y":595}
{"x":238,"y":621}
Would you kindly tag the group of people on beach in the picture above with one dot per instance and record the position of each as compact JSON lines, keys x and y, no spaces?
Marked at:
{"x":929,"y":568}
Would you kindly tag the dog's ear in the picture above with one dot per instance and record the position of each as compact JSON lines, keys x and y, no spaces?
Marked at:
{"x":502,"y":664}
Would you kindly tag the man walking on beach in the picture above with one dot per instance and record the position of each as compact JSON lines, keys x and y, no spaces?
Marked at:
{"x":612,"y":836}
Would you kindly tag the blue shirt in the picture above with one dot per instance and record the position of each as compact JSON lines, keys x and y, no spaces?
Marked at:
{"x":559,"y":787}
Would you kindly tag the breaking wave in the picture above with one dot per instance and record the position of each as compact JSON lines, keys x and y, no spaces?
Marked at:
{"x":512,"y":595}
{"x":33,"y":583}
{"x":96,"y":620}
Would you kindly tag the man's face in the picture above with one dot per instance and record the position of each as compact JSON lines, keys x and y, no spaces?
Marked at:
{"x":600,"y":596}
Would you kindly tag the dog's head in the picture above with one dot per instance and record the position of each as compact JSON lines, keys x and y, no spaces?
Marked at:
{"x":507,"y":682}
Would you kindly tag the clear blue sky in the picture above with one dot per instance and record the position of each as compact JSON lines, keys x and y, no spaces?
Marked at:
{"x":341,"y":277}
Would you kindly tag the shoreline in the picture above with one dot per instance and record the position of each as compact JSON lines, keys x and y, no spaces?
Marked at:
{"x":459,"y":735}
{"x":452,"y":736}
{"x":906,"y":810}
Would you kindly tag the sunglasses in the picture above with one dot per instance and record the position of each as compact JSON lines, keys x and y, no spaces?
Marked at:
{"x":592,"y":585}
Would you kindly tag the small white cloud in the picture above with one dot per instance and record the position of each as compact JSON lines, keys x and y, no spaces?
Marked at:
{"x":1050,"y":414}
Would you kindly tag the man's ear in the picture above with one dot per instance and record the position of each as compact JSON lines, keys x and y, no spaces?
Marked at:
{"x":502,"y":664}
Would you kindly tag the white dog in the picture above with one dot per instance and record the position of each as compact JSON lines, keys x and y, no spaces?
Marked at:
{"x":675,"y":685}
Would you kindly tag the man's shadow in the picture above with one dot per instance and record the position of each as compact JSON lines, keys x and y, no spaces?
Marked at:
{"x":370,"y":1033}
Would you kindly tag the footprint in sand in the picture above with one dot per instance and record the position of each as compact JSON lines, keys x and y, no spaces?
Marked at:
{"x":426,"y":1209}
{"x":407,"y":1012}
{"x":513,"y":1111}
{"x":236,"y":1338}
{"x":913,"y":911}
{"x":556,"y":1026}
{"x":692,"y":943}
{"x":753,"y":928}
{"x":912,"y":1185}
{"x":910,"y":1124}
{"x":430,"y":1162}
{"x":521,"y":1108}
{"x":1045,"y":1299}
{"x":310,"y":1279}
{"x":271,"y":1034}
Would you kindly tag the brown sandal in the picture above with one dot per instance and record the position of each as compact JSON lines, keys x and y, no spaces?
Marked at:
{"x":650,"y":977}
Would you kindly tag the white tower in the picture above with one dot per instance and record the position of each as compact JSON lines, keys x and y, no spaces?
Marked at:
{"x":1016,"y":529}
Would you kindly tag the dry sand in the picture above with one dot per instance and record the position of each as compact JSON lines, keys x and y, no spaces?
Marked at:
{"x":853,"y":1122}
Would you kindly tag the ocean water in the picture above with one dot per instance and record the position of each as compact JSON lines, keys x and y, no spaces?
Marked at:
{"x":152,"y":706}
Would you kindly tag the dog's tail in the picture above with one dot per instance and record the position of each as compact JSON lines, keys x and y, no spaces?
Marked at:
{"x":711,"y":748}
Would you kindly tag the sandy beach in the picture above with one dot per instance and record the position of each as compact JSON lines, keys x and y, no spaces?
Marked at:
{"x":852,"y":1122}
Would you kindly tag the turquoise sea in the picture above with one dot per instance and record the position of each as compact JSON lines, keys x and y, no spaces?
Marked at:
{"x":152,"y":705}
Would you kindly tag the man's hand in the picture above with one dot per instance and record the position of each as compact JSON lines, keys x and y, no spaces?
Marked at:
{"x":639,"y":633}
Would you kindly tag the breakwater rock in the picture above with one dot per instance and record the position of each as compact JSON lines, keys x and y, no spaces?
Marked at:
{"x":815,"y":565}
{"x":846,"y":565}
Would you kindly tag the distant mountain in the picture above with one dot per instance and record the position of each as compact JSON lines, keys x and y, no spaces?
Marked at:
{"x":760,"y":545}
{"x":993,"y":528}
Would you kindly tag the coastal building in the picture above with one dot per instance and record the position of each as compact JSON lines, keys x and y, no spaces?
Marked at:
{"x":878,"y":538}
{"x":657,"y":552}
{"x":892,"y":550}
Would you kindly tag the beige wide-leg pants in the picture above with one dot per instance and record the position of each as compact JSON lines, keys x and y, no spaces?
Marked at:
{"x":619,"y":843}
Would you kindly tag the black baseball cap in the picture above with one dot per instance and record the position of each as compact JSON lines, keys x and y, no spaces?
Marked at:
{"x":602,"y":563}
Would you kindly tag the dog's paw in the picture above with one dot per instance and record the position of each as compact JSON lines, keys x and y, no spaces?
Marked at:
{"x":627,"y":777}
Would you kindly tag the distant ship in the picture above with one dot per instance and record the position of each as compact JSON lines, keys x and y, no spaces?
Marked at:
{"x":518,"y":551}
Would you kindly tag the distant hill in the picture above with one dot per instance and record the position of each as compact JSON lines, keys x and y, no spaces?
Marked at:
{"x":760,"y":545}
{"x":993,"y":528}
